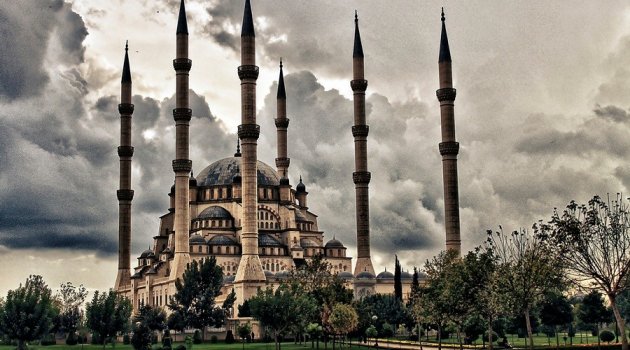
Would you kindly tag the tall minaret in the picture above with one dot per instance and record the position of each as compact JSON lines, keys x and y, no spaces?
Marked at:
{"x":181,"y":164}
{"x":282,"y":124}
{"x":449,"y":148}
{"x":361,"y":176}
{"x":125,"y":193}
{"x":250,"y":273}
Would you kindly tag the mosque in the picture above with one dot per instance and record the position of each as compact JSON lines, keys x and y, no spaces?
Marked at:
{"x":244,"y":212}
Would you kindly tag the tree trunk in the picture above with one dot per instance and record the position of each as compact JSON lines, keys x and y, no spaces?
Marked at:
{"x":529,"y":329}
{"x":21,"y":345}
{"x":490,"y":334}
{"x":557,"y":337}
{"x":620,"y":322}
{"x":439,"y":337}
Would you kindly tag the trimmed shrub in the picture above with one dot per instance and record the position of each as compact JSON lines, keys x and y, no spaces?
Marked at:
{"x":47,"y":340}
{"x":167,"y":341}
{"x":486,"y":338}
{"x":607,"y":336}
{"x":197,"y":337}
{"x":71,"y":339}
{"x":214,"y":339}
{"x":126,"y":339}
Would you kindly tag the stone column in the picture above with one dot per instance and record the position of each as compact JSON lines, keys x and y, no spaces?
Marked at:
{"x":125,"y":193}
{"x":361,"y":176}
{"x":449,"y":148}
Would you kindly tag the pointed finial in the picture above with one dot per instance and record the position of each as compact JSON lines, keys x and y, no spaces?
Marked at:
{"x":358,"y":48}
{"x":238,"y":148}
{"x":182,"y":24}
{"x":192,"y":173}
{"x":247,"y":28}
{"x":282,"y":94}
{"x":445,"y":51}
{"x":300,"y":178}
{"x":126,"y":73}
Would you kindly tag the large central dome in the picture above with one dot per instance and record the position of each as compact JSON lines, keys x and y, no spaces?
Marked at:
{"x":223,"y":171}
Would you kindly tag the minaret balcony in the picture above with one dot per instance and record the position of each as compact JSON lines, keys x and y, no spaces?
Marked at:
{"x":248,"y":72}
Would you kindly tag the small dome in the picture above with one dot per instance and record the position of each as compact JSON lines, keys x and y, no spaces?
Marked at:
{"x":365,"y":275}
{"x":146,"y":254}
{"x":266,"y":240}
{"x":385,"y":275}
{"x":228,"y":279}
{"x":196,"y":239}
{"x":214,"y":212}
{"x":334,"y":243}
{"x":300,"y":188}
{"x":296,"y":247}
{"x":299,"y":216}
{"x":305,"y":242}
{"x":346,"y":275}
{"x":282,"y":274}
{"x":404,"y":275}
{"x":269,"y":274}
{"x":221,"y":240}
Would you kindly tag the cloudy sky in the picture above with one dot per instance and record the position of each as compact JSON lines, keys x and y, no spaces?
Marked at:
{"x":542,"y":115}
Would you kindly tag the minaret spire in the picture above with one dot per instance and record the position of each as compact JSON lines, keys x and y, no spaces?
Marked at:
{"x":361,"y":176}
{"x":249,"y":275}
{"x":125,"y":193}
{"x":238,"y":148}
{"x":282,"y":125}
{"x":182,"y":165}
{"x":449,"y":147}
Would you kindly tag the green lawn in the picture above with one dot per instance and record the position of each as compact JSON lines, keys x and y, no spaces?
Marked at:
{"x":206,"y":346}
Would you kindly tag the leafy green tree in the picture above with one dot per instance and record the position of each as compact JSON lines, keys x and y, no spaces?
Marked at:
{"x":371,"y":332}
{"x":28,"y":312}
{"x":244,"y":331}
{"x":154,"y":318}
{"x":176,"y":321}
{"x":594,"y":243}
{"x":343,"y":319}
{"x":556,"y":311}
{"x":196,"y":292}
{"x":397,"y":280}
{"x":108,"y":314}
{"x":279,"y":310}
{"x":315,"y":331}
{"x":244,"y":310}
{"x":142,"y":336}
{"x":69,"y":300}
{"x":528,"y":268}
{"x":592,"y":310}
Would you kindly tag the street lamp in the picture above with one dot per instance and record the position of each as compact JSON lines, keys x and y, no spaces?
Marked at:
{"x":374,"y":318}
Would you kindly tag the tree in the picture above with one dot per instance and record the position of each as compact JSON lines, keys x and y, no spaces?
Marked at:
{"x":69,"y":300}
{"x":592,"y":310}
{"x":244,"y":331}
{"x":108,"y":314}
{"x":244,"y":310}
{"x":594,"y":243}
{"x":527,"y":268}
{"x":141,"y":338}
{"x":556,"y":311}
{"x":28,"y":311}
{"x":343,"y":319}
{"x":196,"y":292}
{"x":397,"y":280}
{"x":176,"y":321}
{"x":279,"y":310}
{"x":153,"y":318}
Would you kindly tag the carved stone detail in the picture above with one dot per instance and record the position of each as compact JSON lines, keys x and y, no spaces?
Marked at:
{"x":359,"y":85}
{"x":182,"y":114}
{"x":360,"y":130}
{"x":361,"y":177}
{"x":248,"y":131}
{"x":446,"y":94}
{"x":125,"y":151}
{"x":282,"y":122}
{"x":248,"y":72}
{"x":124,"y":195}
{"x":449,"y":148}
{"x":182,"y":165}
{"x":182,"y":64}
{"x":125,"y":108}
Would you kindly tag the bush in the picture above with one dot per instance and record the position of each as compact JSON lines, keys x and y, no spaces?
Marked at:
{"x":213,"y":339}
{"x":141,"y":339}
{"x":180,"y":347}
{"x":387,"y":331}
{"x":229,"y":337}
{"x":96,"y":339}
{"x":126,"y":339}
{"x":154,"y":338}
{"x":47,"y":340}
{"x":167,"y":341}
{"x":197,"y":337}
{"x":607,"y":336}
{"x":71,"y":339}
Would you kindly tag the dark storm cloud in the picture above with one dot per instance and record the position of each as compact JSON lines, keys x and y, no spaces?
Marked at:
{"x":26,"y":28}
{"x":613,"y":113}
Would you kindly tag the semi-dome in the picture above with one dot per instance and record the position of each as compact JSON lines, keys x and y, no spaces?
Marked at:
{"x":282,"y":274}
{"x":305,"y":242}
{"x":299,"y":216}
{"x":385,"y":275}
{"x":196,"y":239}
{"x":221,"y":240}
{"x":346,"y":275}
{"x":405,"y":275}
{"x":228,"y":279}
{"x":214,"y":212}
{"x":222,"y":172}
{"x":146,"y":254}
{"x":266,"y":240}
{"x":334,"y":243}
{"x":365,"y":275}
{"x":269,"y":274}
